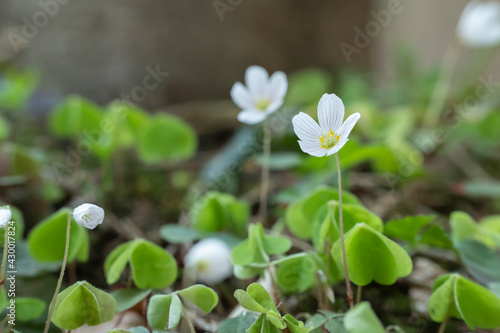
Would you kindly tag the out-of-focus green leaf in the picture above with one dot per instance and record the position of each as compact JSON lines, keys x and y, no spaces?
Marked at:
{"x":300,"y":214}
{"x":307,"y":86}
{"x":47,"y":240}
{"x":236,"y":325}
{"x":76,"y":117}
{"x":408,"y":228}
{"x":127,"y":298}
{"x":455,"y":296}
{"x":482,"y":262}
{"x":166,"y":139}
{"x":362,"y":319}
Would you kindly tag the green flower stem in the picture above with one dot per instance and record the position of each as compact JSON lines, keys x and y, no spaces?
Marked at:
{"x":4,"y":258}
{"x":440,"y":92}
{"x":274,"y":283}
{"x":442,"y":327}
{"x":342,"y":242}
{"x":61,"y":275}
{"x":359,"y":292}
{"x":188,"y":320}
{"x":264,"y":187}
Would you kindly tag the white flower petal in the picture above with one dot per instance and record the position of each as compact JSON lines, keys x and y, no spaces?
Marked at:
{"x":88,"y":215}
{"x":479,"y":24}
{"x":251,"y":116}
{"x":330,"y":112}
{"x":312,"y":149}
{"x":306,"y":128}
{"x":348,"y":125}
{"x":256,"y":80}
{"x":277,"y":86}
{"x":210,"y":261}
{"x":337,"y":147}
{"x":275,"y":105}
{"x":5,"y":216}
{"x":241,"y":96}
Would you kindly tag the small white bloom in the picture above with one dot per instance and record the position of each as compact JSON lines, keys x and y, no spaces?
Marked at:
{"x":88,"y":215}
{"x":479,"y":24}
{"x":331,"y":134}
{"x":5,"y":216}
{"x":262,"y":95}
{"x":209,"y":260}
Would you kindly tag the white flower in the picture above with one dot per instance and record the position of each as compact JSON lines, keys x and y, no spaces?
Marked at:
{"x":262,"y":95}
{"x":88,"y":215}
{"x":479,"y":24}
{"x":209,"y":260}
{"x":331,"y":134}
{"x":5,"y":216}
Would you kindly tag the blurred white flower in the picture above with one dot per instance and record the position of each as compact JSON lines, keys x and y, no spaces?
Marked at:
{"x":209,"y":261}
{"x":88,"y":215}
{"x":479,"y":24}
{"x":331,"y":134}
{"x":5,"y":216}
{"x":262,"y":95}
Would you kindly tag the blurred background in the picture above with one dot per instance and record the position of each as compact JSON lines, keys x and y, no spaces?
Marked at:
{"x":102,"y":50}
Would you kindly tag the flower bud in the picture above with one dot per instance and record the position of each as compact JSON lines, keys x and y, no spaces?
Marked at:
{"x":88,"y":215}
{"x":210,"y":261}
{"x":5,"y":216}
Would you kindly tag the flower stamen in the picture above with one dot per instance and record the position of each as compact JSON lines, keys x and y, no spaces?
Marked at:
{"x":262,"y":104}
{"x":329,"y":140}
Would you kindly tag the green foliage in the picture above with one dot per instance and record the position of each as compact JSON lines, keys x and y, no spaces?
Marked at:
{"x":16,"y":88}
{"x":152,"y":266}
{"x":83,"y":304}
{"x":332,"y":322}
{"x":21,"y":161}
{"x":236,"y":325}
{"x":437,"y":237}
{"x":300,"y":214}
{"x":139,"y":329}
{"x":166,"y":138}
{"x":158,"y":315}
{"x":219,"y":211}
{"x":74,"y":117}
{"x":408,"y":228}
{"x":257,"y":299}
{"x":256,"y":250}
{"x":305,"y":87}
{"x":177,"y":234}
{"x":362,"y":319}
{"x":165,"y":311}
{"x":481,"y":261}
{"x":327,"y":230}
{"x":128,"y":298}
{"x":202,"y":296}
{"x":4,"y":128}
{"x":455,"y":296}
{"x":47,"y":240}
{"x":372,"y":257}
{"x":463,"y":227}
{"x":297,"y":274}
{"x":28,"y":308}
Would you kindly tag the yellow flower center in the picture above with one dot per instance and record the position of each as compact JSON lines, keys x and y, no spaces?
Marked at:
{"x":202,"y":266}
{"x":329,"y":140}
{"x":262,"y":104}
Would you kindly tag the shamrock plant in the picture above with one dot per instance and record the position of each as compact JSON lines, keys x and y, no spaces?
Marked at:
{"x":98,"y":306}
{"x":165,"y":311}
{"x":257,"y":299}
{"x":151,"y":266}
